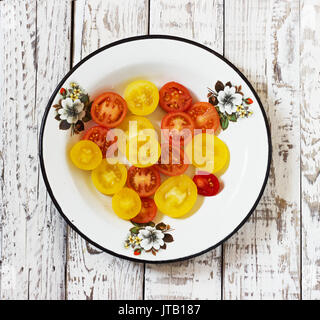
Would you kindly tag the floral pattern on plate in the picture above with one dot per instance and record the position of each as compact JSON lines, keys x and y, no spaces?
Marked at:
{"x":148,"y":237}
{"x":230,"y":103}
{"x":73,"y":109}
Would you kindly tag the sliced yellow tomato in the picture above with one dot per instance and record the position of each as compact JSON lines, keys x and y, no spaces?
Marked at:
{"x":143,"y":151}
{"x":142,"y":123}
{"x":126,"y":203}
{"x":208,"y":153}
{"x":142,"y":97}
{"x":176,"y":196}
{"x":221,"y":157}
{"x":109,"y":178}
{"x":86,"y":155}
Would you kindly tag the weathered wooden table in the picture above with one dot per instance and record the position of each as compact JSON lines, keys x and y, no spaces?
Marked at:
{"x":276,"y":255}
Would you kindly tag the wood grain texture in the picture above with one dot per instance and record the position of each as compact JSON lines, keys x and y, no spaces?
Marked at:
{"x":310,"y":146}
{"x":262,"y":261}
{"x":47,"y":227}
{"x":40,"y":259}
{"x":18,"y":151}
{"x":32,"y":61}
{"x":92,"y":274}
{"x":2,"y":98}
{"x":198,"y":278}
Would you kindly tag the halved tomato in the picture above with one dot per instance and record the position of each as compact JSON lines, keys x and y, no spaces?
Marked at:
{"x":207,"y":184}
{"x":173,"y":161}
{"x":208,"y":153}
{"x":174,"y":97}
{"x":143,"y":151}
{"x":142,"y":97}
{"x":109,"y":178}
{"x":176,"y":196}
{"x":142,"y":123}
{"x":108,"y":109}
{"x":145,"y":181}
{"x":148,"y":211}
{"x":180,"y":126}
{"x":86,"y":155}
{"x":205,"y":116}
{"x":98,"y":135}
{"x":126,"y":203}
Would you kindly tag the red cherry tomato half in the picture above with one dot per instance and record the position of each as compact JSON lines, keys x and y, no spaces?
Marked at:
{"x":145,"y":181}
{"x":205,"y":116}
{"x":172,"y":161}
{"x":148,"y":211}
{"x":180,"y":125}
{"x":207,"y":184}
{"x":174,"y":97}
{"x":98,"y":135}
{"x":108,"y":109}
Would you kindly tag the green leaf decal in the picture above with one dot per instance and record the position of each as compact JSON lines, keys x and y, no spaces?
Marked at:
{"x":84,"y":98}
{"x":135,"y":230}
{"x":233,"y":117}
{"x":141,"y":225}
{"x":224,"y":122}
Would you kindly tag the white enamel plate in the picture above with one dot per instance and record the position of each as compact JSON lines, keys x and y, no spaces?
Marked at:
{"x":159,"y":59}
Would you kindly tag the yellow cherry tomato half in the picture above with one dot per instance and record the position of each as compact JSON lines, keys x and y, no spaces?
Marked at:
{"x":126,"y":203}
{"x":208,"y":153}
{"x":109,"y":178}
{"x":86,"y":155}
{"x":221,"y":157}
{"x":142,"y":123}
{"x":137,"y":122}
{"x":143,"y":151}
{"x":176,"y":196}
{"x":142,"y":97}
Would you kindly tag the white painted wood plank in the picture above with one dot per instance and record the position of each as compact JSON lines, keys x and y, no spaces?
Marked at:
{"x":19,"y":142}
{"x":310,"y":146}
{"x":2,"y":92}
{"x":262,"y":261}
{"x":32,"y":252}
{"x":92,"y":274}
{"x":78,"y":17}
{"x":198,"y":278}
{"x":46,"y":228}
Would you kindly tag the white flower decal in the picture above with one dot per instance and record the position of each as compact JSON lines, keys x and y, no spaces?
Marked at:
{"x":230,"y":103}
{"x":148,"y":237}
{"x":228,"y":100}
{"x":151,"y":238}
{"x":71,"y":110}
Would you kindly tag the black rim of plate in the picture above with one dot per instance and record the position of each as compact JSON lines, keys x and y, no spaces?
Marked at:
{"x":53,"y":96}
